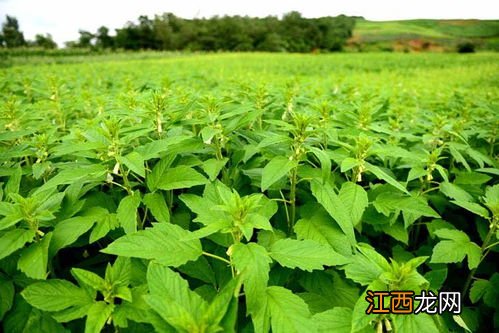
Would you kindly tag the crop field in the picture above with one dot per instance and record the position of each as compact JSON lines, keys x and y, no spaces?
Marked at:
{"x":250,"y":193}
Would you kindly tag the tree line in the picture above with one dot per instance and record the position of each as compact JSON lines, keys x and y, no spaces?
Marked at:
{"x":291,"y":33}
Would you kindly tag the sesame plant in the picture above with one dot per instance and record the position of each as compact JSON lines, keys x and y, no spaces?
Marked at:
{"x":248,"y":193}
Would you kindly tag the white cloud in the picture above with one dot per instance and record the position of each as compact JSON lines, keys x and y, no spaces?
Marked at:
{"x":63,"y":18}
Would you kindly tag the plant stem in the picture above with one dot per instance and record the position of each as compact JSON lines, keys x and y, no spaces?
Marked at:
{"x":217,"y":257}
{"x":491,"y":232}
{"x":292,"y":199}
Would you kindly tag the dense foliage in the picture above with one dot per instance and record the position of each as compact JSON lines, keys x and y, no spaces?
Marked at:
{"x":248,"y":192}
{"x":292,"y":33}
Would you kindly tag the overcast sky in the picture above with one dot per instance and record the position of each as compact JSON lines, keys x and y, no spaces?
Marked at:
{"x":63,"y":18}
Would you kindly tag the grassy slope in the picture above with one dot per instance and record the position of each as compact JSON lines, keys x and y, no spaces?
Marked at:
{"x":442,"y":31}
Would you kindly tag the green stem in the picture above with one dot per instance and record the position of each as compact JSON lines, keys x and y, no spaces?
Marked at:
{"x":217,"y":257}
{"x":125,"y":180}
{"x":292,"y":200}
{"x":491,"y":232}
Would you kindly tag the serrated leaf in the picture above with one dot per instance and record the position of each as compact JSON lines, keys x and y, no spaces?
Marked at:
{"x":277,"y":168}
{"x":306,"y":254}
{"x":472,"y":207}
{"x":55,"y":295}
{"x":486,"y":289}
{"x":89,"y":278}
{"x":354,"y":197}
{"x":421,"y":322}
{"x":288,"y":312}
{"x":13,"y":240}
{"x":456,"y":246}
{"x":412,"y":207}
{"x":34,"y":259}
{"x":68,"y":231}
{"x":492,"y":199}
{"x":156,"y":203}
{"x":24,"y":318}
{"x":217,"y":309}
{"x":455,"y":192}
{"x":325,"y":160}
{"x":366,"y":266}
{"x":338,"y":320}
{"x":212,"y":167}
{"x":14,"y":181}
{"x":320,"y":228}
{"x":135,"y":162}
{"x":163,"y":242}
{"x":384,"y":176}
{"x":97,"y":316}
{"x":326,"y":196}
{"x":180,"y":177}
{"x":172,"y":299}
{"x":127,"y":212}
{"x":349,"y":163}
{"x":253,"y":261}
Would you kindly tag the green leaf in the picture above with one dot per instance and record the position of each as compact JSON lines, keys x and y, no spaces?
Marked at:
{"x":89,"y":279}
{"x":97,"y":316}
{"x":325,"y":160}
{"x":156,"y":203}
{"x":455,"y":192}
{"x":330,"y":289}
{"x":486,"y":289}
{"x":354,"y":197}
{"x":14,"y":181}
{"x":213,"y":166}
{"x":6,"y":296}
{"x":252,"y":261}
{"x":306,"y":254}
{"x":472,"y":207}
{"x":172,"y":299}
{"x":383,"y":175}
{"x":23,"y":318}
{"x":13,"y":240}
{"x":349,"y":163}
{"x":135,"y":162}
{"x":321,"y":228}
{"x":181,"y":177}
{"x":68,"y":231}
{"x":81,"y":173}
{"x":34,"y":259}
{"x":218,"y":307}
{"x":492,"y":199}
{"x":55,"y":295}
{"x":338,"y":320}
{"x":163,"y":242}
{"x":421,"y":322}
{"x":277,"y":168}
{"x":366,"y":265}
{"x":326,"y":196}
{"x":412,"y":207}
{"x":288,"y":312}
{"x":456,"y":246}
{"x":127,"y":212}
{"x":459,"y":320}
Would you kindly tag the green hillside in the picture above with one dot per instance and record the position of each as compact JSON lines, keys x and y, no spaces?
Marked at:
{"x":445,"y":33}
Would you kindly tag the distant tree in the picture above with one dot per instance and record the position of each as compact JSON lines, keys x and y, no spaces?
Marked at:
{"x":292,"y":33}
{"x":45,"y":42}
{"x":102,"y":38}
{"x":85,"y":39}
{"x":12,"y":36}
{"x":273,"y":42}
